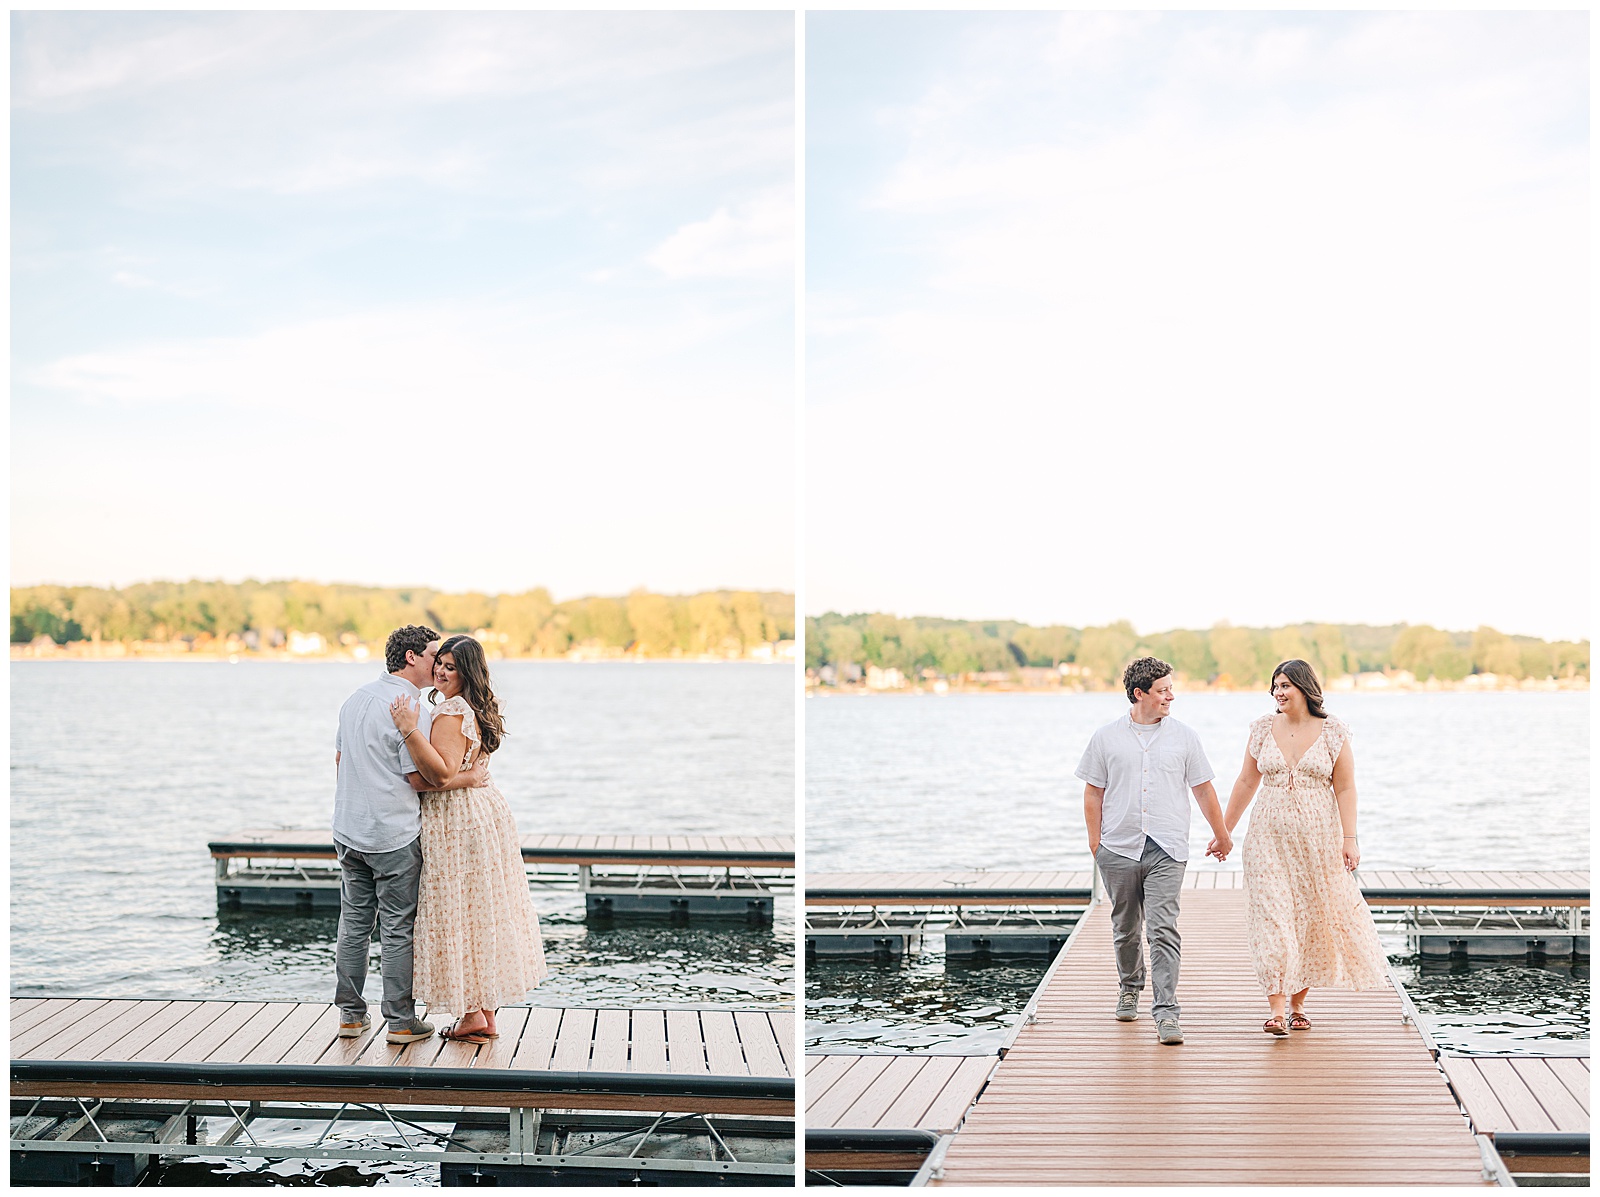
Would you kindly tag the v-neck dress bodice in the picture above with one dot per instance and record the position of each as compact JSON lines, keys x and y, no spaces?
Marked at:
{"x":1308,"y":925}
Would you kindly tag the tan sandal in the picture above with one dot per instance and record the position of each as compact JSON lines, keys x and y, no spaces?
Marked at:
{"x":1298,"y":1021}
{"x":1276,"y":1027}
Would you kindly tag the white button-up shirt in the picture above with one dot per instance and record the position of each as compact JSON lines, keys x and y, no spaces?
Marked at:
{"x":374,"y":807}
{"x":1147,"y":779}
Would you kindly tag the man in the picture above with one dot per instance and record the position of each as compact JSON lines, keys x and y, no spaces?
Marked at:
{"x":377,"y":825}
{"x":1135,"y":771}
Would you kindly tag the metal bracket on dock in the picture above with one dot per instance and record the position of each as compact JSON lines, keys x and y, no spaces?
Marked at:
{"x":933,"y":1167}
{"x":1494,"y":1168}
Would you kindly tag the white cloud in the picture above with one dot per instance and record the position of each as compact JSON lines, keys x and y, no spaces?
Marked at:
{"x":1335,"y":294}
{"x":755,"y":239}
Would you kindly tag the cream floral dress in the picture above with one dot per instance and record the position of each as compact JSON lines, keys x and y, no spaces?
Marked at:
{"x":477,"y":933}
{"x":1308,"y":925}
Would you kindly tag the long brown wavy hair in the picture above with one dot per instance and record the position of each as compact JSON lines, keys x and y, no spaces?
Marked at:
{"x":472,"y":667}
{"x":1301,"y":676}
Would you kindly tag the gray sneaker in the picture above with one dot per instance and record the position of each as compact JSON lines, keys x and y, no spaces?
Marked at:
{"x":410,"y":1031}
{"x":1127,"y":1007}
{"x":353,"y":1026}
{"x":1168,"y":1031}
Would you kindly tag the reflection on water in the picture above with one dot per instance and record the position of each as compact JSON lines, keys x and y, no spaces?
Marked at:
{"x":929,"y":1005}
{"x":620,"y":962}
{"x":924,"y":1005}
{"x":1497,"y":1007}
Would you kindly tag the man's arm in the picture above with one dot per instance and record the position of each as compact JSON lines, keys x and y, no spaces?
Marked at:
{"x":1206,"y":795}
{"x":1094,"y":798}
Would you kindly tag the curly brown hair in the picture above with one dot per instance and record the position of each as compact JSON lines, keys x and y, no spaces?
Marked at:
{"x":413,"y":638}
{"x":1142,"y":674}
{"x":472,"y":667}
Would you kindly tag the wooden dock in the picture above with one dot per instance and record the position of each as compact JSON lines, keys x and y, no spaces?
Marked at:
{"x":699,"y":1060}
{"x":719,"y":851}
{"x":285,"y":869}
{"x":1534,"y":1108}
{"x":1033,"y":887}
{"x":882,"y":1113}
{"x":1358,"y":1099}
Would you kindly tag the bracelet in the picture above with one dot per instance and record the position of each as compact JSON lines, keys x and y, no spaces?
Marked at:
{"x":407,"y":736}
{"x":1348,"y":837}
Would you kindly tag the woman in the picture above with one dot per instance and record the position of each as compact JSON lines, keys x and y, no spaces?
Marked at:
{"x":1308,"y":923}
{"x":477,"y":934}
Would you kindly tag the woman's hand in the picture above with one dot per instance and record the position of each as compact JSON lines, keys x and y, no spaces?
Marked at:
{"x":403,"y":714}
{"x":1352,"y":853}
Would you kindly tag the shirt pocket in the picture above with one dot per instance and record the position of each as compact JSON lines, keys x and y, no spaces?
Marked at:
{"x":1171,"y":764}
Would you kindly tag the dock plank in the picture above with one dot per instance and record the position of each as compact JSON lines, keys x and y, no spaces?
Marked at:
{"x":648,"y":1047}
{"x":206,"y":1039}
{"x":538,"y":1039}
{"x":612,"y":1035}
{"x":1574,"y":1074}
{"x":783,"y":1030}
{"x":759,"y":1043}
{"x":958,"y":1094}
{"x":685,"y":1047}
{"x":574,"y":1042}
{"x":287,"y":1033}
{"x":724,"y":1056}
{"x":860,"y":1072}
{"x":820,"y":1077}
{"x":58,"y":1018}
{"x":907,"y":1110}
{"x":1560,"y":1107}
{"x":236,"y":1047}
{"x":68,"y":1040}
{"x":867,"y":1109}
{"x":124,"y":1027}
{"x":1514,"y":1096}
{"x":195,"y":1018}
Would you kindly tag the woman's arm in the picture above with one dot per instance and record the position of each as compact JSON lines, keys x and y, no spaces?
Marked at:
{"x":1344,"y":791}
{"x":424,"y":754}
{"x":1243,"y":791}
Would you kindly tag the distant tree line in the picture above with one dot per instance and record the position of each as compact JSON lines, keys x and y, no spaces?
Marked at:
{"x":1233,"y":656}
{"x":532,"y":623}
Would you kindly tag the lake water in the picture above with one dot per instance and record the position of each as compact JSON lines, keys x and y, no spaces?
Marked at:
{"x":122,"y":771}
{"x":896,"y":782}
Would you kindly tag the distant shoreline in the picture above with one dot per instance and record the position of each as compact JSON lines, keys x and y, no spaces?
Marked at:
{"x":291,"y":659}
{"x":1545,"y":686}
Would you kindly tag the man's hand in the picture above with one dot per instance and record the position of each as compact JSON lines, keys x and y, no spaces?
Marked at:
{"x":480,"y":772}
{"x":1219,"y":847}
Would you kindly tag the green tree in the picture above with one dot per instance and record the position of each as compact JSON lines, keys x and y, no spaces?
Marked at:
{"x":1495,"y":652}
{"x":1234,"y":651}
{"x":1105,"y":651}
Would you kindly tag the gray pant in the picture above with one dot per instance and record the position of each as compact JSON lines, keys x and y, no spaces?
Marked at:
{"x":377,"y":887}
{"x":1145,"y":891}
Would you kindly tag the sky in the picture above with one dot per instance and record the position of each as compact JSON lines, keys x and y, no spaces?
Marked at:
{"x":1183,"y":318}
{"x":483,"y":301}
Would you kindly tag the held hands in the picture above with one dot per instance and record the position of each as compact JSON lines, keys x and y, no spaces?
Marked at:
{"x":1219,"y":847}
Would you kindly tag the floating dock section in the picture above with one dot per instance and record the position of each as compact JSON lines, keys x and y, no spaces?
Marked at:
{"x":102,"y":1087}
{"x":873,"y":1119}
{"x":1534,"y":1109}
{"x":676,"y":875}
{"x":1526,"y":915}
